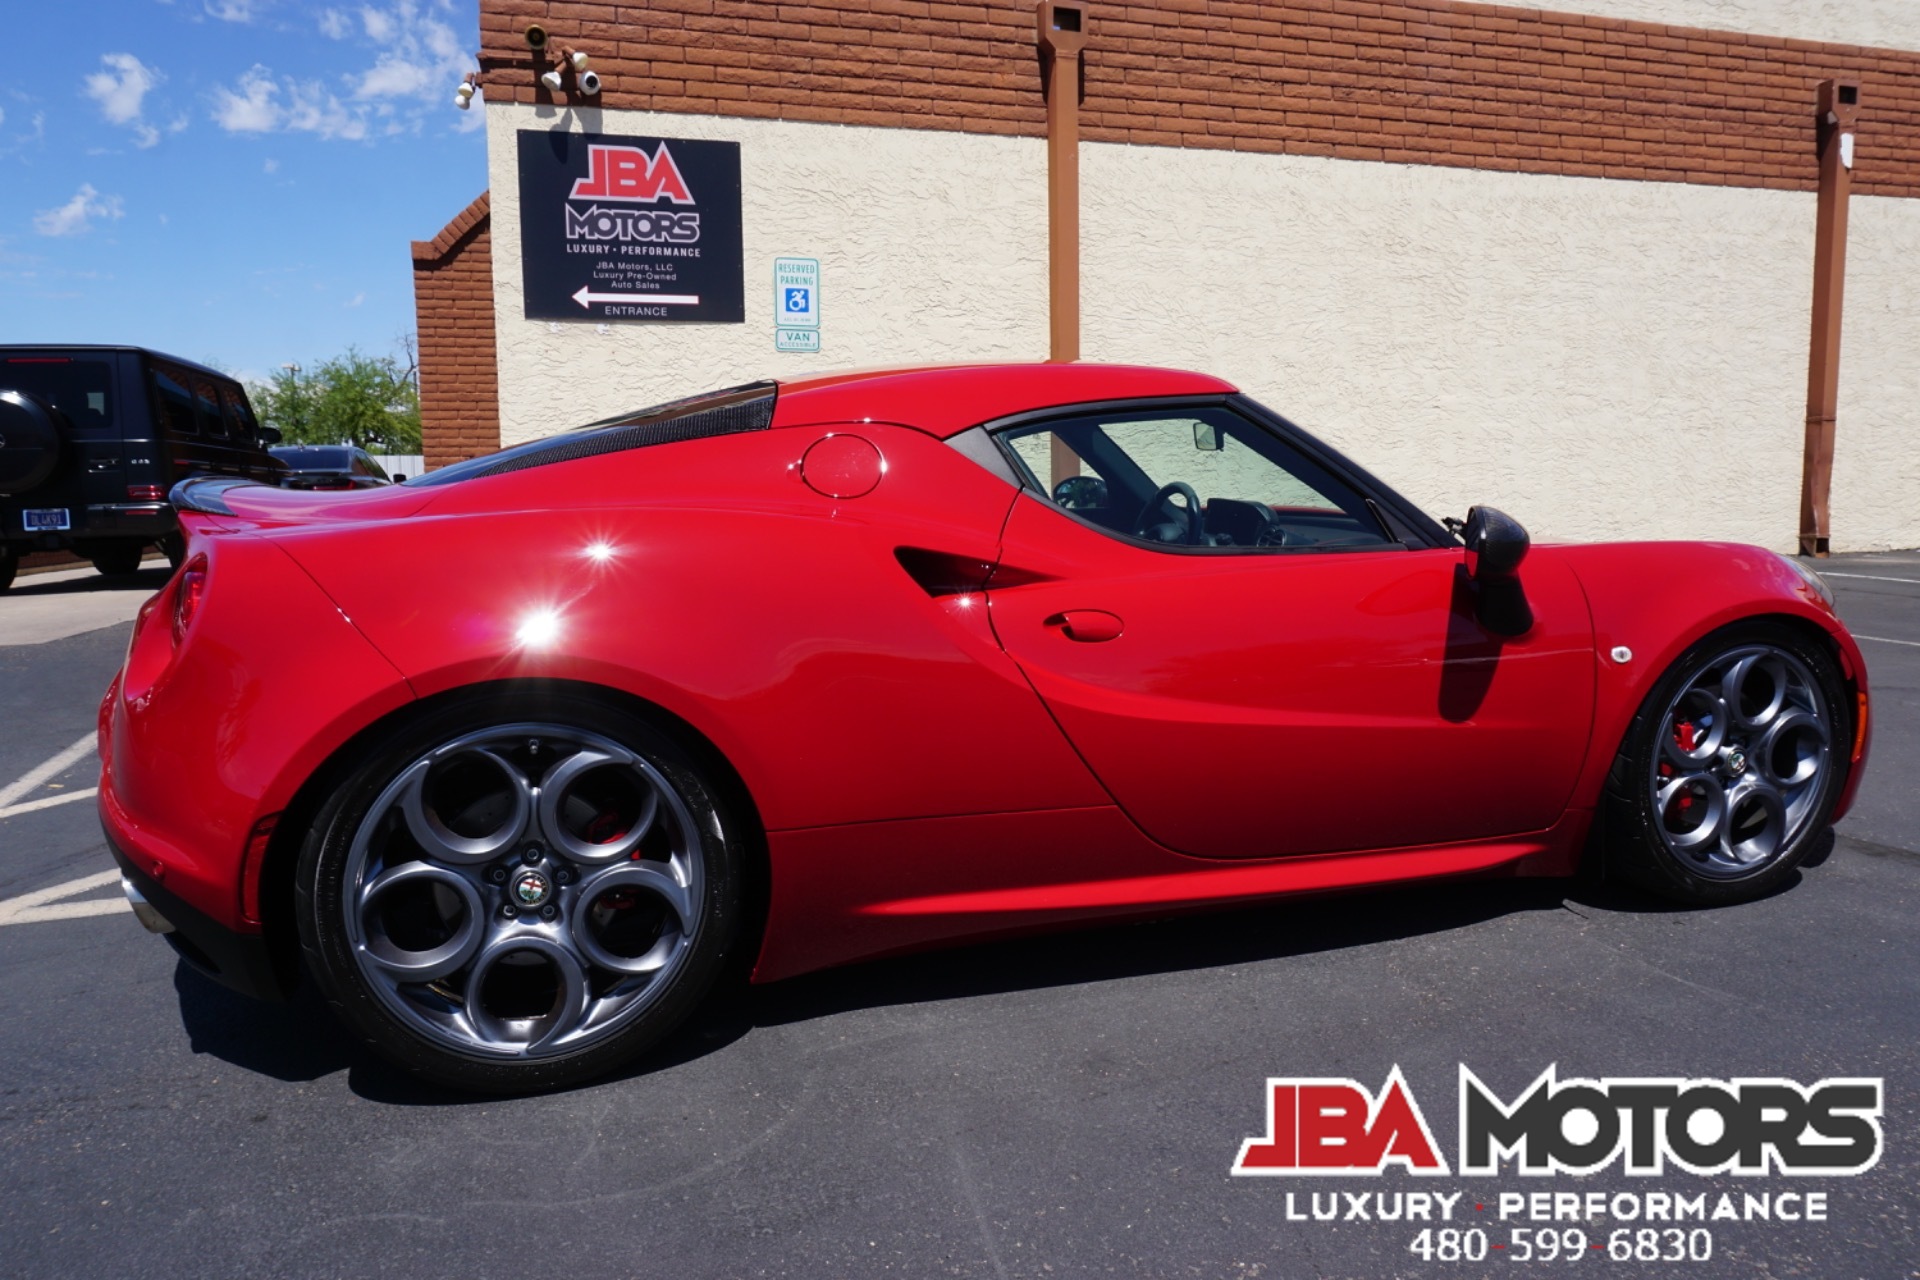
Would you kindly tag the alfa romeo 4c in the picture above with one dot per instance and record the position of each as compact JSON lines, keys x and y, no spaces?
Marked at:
{"x":516,"y":759}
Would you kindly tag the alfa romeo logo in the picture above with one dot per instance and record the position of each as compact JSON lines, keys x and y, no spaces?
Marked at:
{"x":1736,"y":761}
{"x":531,"y":888}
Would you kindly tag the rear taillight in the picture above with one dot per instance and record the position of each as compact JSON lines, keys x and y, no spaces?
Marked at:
{"x":186,"y":599}
{"x":146,"y":493}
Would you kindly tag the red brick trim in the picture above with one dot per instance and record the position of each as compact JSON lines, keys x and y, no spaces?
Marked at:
{"x":459,"y":367}
{"x":1419,"y":82}
{"x":464,"y":221}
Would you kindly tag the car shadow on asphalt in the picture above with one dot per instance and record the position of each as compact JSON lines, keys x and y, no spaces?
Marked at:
{"x":301,"y":1041}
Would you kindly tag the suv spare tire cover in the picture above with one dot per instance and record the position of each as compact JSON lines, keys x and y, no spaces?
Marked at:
{"x":29,"y":442}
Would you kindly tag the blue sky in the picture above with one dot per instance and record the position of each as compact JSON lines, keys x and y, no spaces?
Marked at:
{"x":234,"y":181}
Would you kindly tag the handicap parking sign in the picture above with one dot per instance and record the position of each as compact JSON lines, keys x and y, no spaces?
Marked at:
{"x":796,"y":294}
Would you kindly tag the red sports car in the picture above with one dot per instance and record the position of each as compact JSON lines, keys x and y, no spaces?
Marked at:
{"x":514,"y":760}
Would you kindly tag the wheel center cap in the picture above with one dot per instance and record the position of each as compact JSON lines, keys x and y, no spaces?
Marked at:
{"x":1736,"y":761}
{"x":532,"y":888}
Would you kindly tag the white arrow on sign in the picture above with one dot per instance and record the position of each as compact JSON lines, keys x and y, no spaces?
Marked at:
{"x":586,"y":298}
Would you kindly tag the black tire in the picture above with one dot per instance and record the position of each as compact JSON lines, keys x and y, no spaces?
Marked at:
{"x":1641,"y":840}
{"x":174,"y":548}
{"x":386,"y":1012}
{"x":9,"y":565}
{"x":118,"y":559}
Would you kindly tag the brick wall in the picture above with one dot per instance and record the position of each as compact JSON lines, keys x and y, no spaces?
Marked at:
{"x":459,"y":372}
{"x":1425,"y":82}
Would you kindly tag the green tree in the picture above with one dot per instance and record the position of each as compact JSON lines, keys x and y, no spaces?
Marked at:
{"x":370,"y":401}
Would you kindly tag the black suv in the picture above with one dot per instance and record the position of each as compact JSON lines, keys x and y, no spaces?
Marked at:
{"x":93,"y":438}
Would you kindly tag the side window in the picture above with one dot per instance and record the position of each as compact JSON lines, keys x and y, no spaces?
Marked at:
{"x":239,"y":415}
{"x":1204,"y":478}
{"x":206,"y":398}
{"x":173,"y":402}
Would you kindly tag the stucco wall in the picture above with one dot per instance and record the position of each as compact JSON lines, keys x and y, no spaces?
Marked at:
{"x":1892,"y":24}
{"x":1876,"y":460}
{"x":1601,"y":358}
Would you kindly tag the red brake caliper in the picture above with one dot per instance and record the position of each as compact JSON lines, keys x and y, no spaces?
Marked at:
{"x":1687,"y":738}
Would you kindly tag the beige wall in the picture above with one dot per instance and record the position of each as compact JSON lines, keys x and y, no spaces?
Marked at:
{"x":1602,"y":359}
{"x":1893,"y":24}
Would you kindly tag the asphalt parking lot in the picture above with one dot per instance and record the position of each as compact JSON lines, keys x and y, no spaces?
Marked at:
{"x":1058,"y":1107}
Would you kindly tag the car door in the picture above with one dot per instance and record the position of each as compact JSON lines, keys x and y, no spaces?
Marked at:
{"x":1289,"y":679}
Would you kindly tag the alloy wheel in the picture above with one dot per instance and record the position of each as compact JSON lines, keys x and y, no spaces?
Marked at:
{"x":1741,"y":761}
{"x":523,"y":891}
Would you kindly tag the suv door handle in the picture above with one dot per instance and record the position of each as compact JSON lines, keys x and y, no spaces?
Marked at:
{"x":1089,"y":626}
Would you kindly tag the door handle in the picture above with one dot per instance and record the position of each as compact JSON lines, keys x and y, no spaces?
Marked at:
{"x":1089,"y":626}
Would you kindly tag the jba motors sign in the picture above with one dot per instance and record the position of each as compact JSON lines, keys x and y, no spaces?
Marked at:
{"x":630,"y":229}
{"x":1573,"y":1126}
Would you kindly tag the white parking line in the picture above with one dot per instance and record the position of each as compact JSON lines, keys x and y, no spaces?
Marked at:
{"x":1915,"y":644}
{"x":67,"y":797}
{"x":47,"y":772}
{"x":1867,"y":577}
{"x":43,"y":904}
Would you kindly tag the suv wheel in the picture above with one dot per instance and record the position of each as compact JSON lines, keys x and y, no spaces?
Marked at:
{"x":9,"y":561}
{"x":117,"y":559}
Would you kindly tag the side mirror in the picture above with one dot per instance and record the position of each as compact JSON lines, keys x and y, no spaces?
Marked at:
{"x":1496,"y":545}
{"x":269,"y":435}
{"x":1208,"y":438}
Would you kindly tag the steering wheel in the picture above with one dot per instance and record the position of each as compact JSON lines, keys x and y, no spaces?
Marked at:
{"x":1193,"y":531}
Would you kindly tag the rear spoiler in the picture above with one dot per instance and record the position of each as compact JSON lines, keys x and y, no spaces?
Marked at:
{"x":206,"y":495}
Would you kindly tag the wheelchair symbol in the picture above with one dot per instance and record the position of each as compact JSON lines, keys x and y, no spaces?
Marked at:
{"x":799,"y":300}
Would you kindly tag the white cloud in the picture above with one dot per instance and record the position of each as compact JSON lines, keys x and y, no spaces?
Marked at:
{"x":231,"y":10}
{"x":420,"y":55}
{"x":77,"y":214}
{"x":253,"y":109}
{"x":272,"y":165}
{"x":3,"y":115}
{"x":266,"y":105}
{"x":121,"y":90}
{"x":393,"y":77}
{"x":335,"y":25}
{"x":122,"y":87}
{"x":355,"y":300}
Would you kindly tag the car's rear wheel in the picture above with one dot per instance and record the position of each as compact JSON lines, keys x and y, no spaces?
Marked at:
{"x":116,"y":559}
{"x":520,"y":893}
{"x":1727,"y":777}
{"x":9,"y":565}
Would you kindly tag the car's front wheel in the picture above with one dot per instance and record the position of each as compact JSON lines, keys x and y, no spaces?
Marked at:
{"x":520,"y":893}
{"x":1728,"y":775}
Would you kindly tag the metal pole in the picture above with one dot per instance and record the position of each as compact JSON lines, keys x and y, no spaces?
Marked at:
{"x":1837,"y":104}
{"x":1062,"y":35}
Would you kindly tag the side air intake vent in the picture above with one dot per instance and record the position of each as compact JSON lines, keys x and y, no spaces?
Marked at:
{"x":718,"y":413}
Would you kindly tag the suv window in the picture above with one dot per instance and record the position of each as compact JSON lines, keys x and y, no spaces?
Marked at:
{"x":81,"y":389}
{"x":1136,"y":475}
{"x":174,"y":402}
{"x":240,"y":421}
{"x":206,"y":398}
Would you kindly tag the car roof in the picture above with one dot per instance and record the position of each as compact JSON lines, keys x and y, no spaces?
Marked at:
{"x":95,"y":347}
{"x":946,"y":400}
